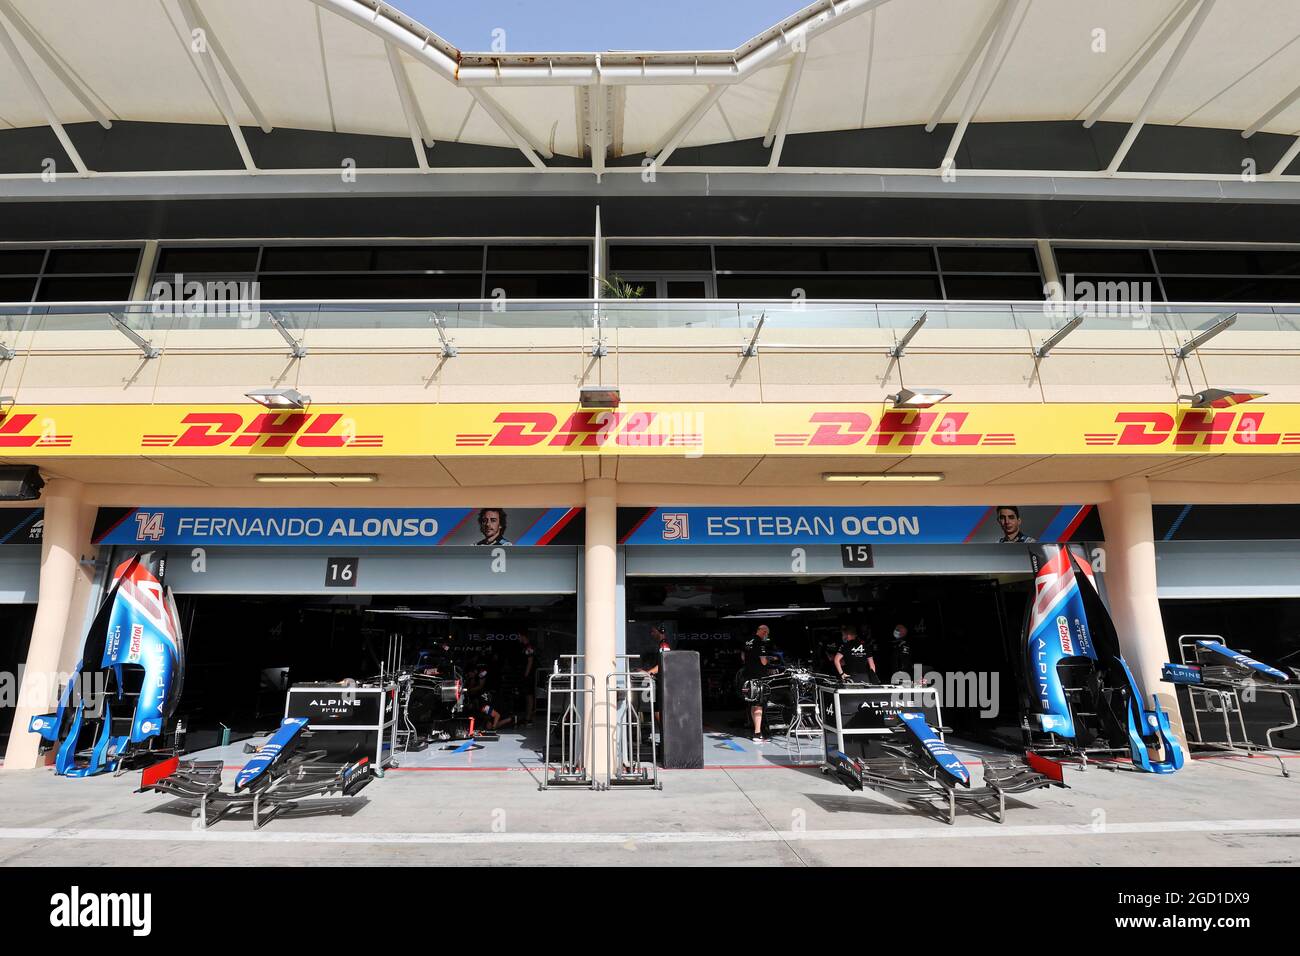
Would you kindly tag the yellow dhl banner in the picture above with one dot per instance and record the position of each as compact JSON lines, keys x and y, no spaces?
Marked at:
{"x":359,"y":431}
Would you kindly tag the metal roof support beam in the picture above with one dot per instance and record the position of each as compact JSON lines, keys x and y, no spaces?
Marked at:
{"x":219,"y":51}
{"x":7,"y":41}
{"x":208,"y":62}
{"x":966,"y":67}
{"x":785,"y":108}
{"x":520,"y":71}
{"x":983,"y":79}
{"x":686,"y":124}
{"x":219,"y":90}
{"x":791,"y":81}
{"x":47,"y":56}
{"x":414,"y":123}
{"x":1166,"y":75}
{"x":1268,"y":117}
{"x":508,"y":126}
{"x":597,"y":121}
{"x":1287,"y":158}
{"x":1152,"y":48}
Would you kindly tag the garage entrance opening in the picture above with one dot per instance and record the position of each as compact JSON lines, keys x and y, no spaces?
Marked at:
{"x":15,"y":633}
{"x":962,"y":631}
{"x":244,"y":651}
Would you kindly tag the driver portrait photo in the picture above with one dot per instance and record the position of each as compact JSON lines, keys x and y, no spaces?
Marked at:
{"x":492,"y":525}
{"x":1009,"y":521}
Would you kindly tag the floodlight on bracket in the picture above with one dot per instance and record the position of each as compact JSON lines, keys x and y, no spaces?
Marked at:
{"x":449,"y":349}
{"x":751,"y":350}
{"x":1057,"y":337}
{"x":901,"y":346}
{"x":1221,"y":324}
{"x":6,"y":353}
{"x":296,"y":348}
{"x":144,"y":345}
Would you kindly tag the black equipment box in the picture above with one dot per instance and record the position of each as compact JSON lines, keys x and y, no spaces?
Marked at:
{"x":682,"y":708}
{"x":348,"y":722}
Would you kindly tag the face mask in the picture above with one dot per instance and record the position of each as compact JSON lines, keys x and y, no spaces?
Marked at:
{"x":898,"y":634}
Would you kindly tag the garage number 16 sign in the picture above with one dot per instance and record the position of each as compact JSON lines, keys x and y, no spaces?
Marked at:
{"x":341,"y":572}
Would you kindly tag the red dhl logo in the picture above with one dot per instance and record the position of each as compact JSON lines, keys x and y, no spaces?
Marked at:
{"x":1194,"y":427}
{"x":896,"y":429}
{"x":579,"y":430}
{"x":266,"y":430}
{"x":16,"y":432}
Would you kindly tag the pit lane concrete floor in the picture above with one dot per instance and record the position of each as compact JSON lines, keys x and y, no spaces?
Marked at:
{"x":1234,"y":812}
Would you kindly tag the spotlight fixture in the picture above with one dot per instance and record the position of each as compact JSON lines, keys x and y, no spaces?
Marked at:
{"x":1223,"y":397}
{"x":20,"y":483}
{"x":598,"y":396}
{"x":919,"y":397}
{"x":279,"y":398}
{"x":316,"y":479}
{"x":6,"y":405}
{"x":882,"y":476}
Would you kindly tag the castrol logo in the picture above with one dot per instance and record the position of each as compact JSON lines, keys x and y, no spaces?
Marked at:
{"x":1063,"y":629}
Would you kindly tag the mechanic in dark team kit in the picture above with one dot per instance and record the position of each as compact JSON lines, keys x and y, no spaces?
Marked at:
{"x":759,"y":654}
{"x":856,"y":658}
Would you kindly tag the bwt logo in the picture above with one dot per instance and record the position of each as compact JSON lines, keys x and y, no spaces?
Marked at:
{"x":898,"y":429}
{"x":75,"y":909}
{"x":265,"y":430}
{"x":1194,"y":427}
{"x":589,"y":430}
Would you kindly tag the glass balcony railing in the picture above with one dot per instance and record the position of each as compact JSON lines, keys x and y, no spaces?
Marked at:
{"x":297,"y":318}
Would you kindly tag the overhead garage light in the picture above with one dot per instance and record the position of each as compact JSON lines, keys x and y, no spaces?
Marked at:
{"x":598,"y":397}
{"x":919,"y":397}
{"x":1223,"y":397}
{"x":317,"y":479}
{"x":883,"y":476}
{"x":279,"y":397}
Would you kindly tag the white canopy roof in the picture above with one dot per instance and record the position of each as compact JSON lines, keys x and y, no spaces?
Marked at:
{"x":358,"y":66}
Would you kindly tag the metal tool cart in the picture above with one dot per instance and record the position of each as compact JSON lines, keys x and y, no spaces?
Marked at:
{"x":570,"y":707}
{"x":1220,"y":682}
{"x":630,"y":699}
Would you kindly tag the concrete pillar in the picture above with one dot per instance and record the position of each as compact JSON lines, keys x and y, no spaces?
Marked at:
{"x":1131,"y":586}
{"x":60,"y":555}
{"x":600,"y":583}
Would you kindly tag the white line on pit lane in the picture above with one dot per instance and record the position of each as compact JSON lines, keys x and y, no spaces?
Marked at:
{"x":982,"y":832}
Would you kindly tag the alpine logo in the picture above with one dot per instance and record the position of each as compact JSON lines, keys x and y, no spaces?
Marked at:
{"x":1063,"y":629}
